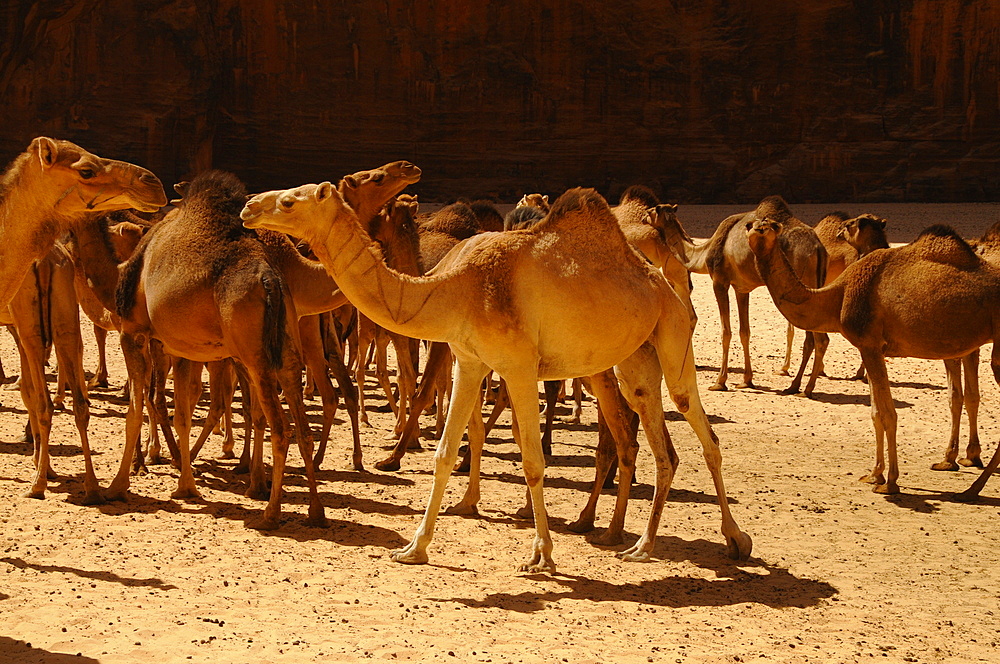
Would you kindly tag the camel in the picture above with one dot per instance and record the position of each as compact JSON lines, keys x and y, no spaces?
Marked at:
{"x":52,"y":185}
{"x":925,"y":300}
{"x":727,"y":259}
{"x":864,"y":234}
{"x":521,"y":304}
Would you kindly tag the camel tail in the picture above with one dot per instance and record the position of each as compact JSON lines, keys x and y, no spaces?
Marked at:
{"x":128,"y":281}
{"x":274,"y":321}
{"x":821,"y":261}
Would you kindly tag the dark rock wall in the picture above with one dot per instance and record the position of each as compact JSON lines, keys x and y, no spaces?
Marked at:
{"x":706,"y":100}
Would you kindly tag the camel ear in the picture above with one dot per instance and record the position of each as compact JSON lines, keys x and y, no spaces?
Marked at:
{"x":749,"y":225}
{"x":323,"y":192}
{"x":545,"y":197}
{"x":181,"y":187}
{"x":350,"y":181}
{"x":883,"y":223}
{"x":672,"y":208}
{"x":47,"y":151}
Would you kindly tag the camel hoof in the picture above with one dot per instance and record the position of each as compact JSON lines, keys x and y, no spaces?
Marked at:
{"x":358,"y":466}
{"x":581,"y":526}
{"x":226,"y":454}
{"x":409,"y":556}
{"x":525,"y":513}
{"x":257,"y":492}
{"x":36,"y":494}
{"x":718,"y":387}
{"x":190,"y":493}
{"x":944,"y":465}
{"x":634,"y":555}
{"x":872,"y":479}
{"x":782,"y":372}
{"x":264,"y":523}
{"x":887,"y":489}
{"x":747,"y":384}
{"x":739,"y":547}
{"x":971,"y":463}
{"x":790,"y":390}
{"x":463,"y":466}
{"x":113,"y":494}
{"x":318,"y":519}
{"x":540,"y":567}
{"x":242,"y":468}
{"x":608,"y":538}
{"x":461,"y":509}
{"x":388,"y":465}
{"x":93,"y":498}
{"x":966,"y":497}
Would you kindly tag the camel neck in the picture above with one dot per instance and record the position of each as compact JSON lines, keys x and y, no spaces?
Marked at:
{"x":811,"y":309}
{"x":695,"y":257}
{"x":414,"y":306}
{"x":313,"y":290}
{"x":95,"y":256}
{"x":29,"y":226}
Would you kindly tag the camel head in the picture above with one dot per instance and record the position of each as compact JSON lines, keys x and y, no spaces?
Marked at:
{"x":304,"y":212}
{"x":540,"y":201}
{"x":663,"y":216}
{"x":762,"y":234}
{"x":865,"y":233}
{"x":377,"y":186}
{"x":86,"y":182}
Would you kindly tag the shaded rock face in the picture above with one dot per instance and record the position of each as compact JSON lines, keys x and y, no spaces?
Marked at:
{"x":705,"y":101}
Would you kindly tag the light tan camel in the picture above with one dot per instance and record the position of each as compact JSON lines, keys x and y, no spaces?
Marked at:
{"x":50,"y":186}
{"x":925,"y":300}
{"x":44,"y":313}
{"x":530,"y":318}
{"x":727,"y":259}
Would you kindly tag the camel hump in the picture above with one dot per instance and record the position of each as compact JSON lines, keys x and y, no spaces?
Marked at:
{"x":641,"y":194}
{"x":457,"y":220}
{"x":583,"y":208}
{"x":942,"y":244}
{"x":220,"y":190}
{"x":774,"y":208}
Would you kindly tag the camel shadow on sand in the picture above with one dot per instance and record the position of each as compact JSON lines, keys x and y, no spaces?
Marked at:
{"x":19,"y":651}
{"x":769,"y":585}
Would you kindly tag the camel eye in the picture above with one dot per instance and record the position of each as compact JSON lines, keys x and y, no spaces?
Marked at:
{"x":86,"y":173}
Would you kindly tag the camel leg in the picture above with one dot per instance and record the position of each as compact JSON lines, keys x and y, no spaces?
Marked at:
{"x":500,"y":404}
{"x":100,"y":378}
{"x":438,"y":356}
{"x":406,"y":379}
{"x":973,"y":450}
{"x":808,"y":345}
{"x":789,"y":341}
{"x":721,"y":291}
{"x":257,"y":488}
{"x":972,"y":493}
{"x":884,"y":419}
{"x":290,"y":378}
{"x":953,"y":370}
{"x":616,"y":417}
{"x":365,"y":338}
{"x":640,"y":377}
{"x":743,"y":309}
{"x":135,"y":350}
{"x":465,"y":396}
{"x":673,"y":348}
{"x":315,"y":360}
{"x":577,"y":402}
{"x":551,"y":393}
{"x":352,"y":402}
{"x":186,"y":384}
{"x":382,"y":367}
{"x":822,"y":343}
{"x":477,"y":439}
{"x":271,"y":405}
{"x":38,"y":403}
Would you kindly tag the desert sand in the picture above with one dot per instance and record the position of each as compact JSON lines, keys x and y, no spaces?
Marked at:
{"x":838,"y":574}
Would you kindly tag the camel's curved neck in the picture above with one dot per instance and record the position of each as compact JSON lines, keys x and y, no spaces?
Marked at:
{"x":95,"y":256}
{"x":29,"y":225}
{"x":812,"y":309}
{"x":692,"y":256}
{"x":419,"y":307}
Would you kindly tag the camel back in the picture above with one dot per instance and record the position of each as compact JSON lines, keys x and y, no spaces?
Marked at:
{"x":585,"y":211}
{"x":942,"y":244}
{"x":716,"y":258}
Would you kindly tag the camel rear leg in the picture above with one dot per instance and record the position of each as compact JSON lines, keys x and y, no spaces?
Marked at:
{"x":100,"y":377}
{"x":743,"y":309}
{"x":953,"y":370}
{"x":789,"y":341}
{"x":352,"y":402}
{"x":884,"y":420}
{"x":721,"y":291}
{"x":135,"y":350}
{"x":673,"y":348}
{"x":291,"y":383}
{"x":972,"y":493}
{"x":970,"y":363}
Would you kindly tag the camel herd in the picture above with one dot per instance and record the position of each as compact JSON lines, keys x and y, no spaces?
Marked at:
{"x":263,"y":289}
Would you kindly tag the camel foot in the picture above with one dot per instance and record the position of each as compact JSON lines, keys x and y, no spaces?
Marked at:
{"x":388,"y":465}
{"x":966,"y":496}
{"x":365,"y":423}
{"x":790,"y":390}
{"x":747,"y":384}
{"x":258,"y":492}
{"x":581,"y":525}
{"x":93,"y":497}
{"x":872,"y":479}
{"x":414,"y":445}
{"x":462,"y":509}
{"x":782,"y":372}
{"x":185,"y":493}
{"x":410,"y":555}
{"x":739,"y":547}
{"x":317,"y":518}
{"x":538,"y":564}
{"x":525,"y":513}
{"x":635,"y":554}
{"x":971,"y":463}
{"x":944,"y":465}
{"x":608,"y":538}
{"x":718,"y":387}
{"x":242,"y":468}
{"x":358,"y":466}
{"x":226,"y":454}
{"x":95,"y":383}
{"x":264,"y":522}
{"x":36,"y":494}
{"x":887,"y":489}
{"x":115,"y":494}
{"x":463,"y":466}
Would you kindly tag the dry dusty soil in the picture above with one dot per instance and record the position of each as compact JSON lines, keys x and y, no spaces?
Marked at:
{"x":838,"y":574}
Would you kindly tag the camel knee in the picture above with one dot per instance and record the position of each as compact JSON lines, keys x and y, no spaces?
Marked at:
{"x":682,"y":402}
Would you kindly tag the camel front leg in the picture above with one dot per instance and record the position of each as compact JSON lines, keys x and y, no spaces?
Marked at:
{"x":137,"y":362}
{"x":290,"y":377}
{"x":187,"y":385}
{"x":822,"y":343}
{"x":721,"y":291}
{"x":672,"y":339}
{"x":100,"y":378}
{"x":953,"y":371}
{"x":315,"y":360}
{"x":743,"y":309}
{"x":884,"y":419}
{"x":477,"y":439}
{"x":789,"y":341}
{"x":972,"y":493}
{"x":35,"y":395}
{"x":465,"y":396}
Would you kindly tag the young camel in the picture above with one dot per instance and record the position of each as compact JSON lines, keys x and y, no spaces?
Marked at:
{"x":52,"y":185}
{"x":531,"y":318}
{"x":727,"y":259}
{"x":921,"y":300}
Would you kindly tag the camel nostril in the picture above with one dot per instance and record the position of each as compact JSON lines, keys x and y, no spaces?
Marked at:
{"x":149,"y":178}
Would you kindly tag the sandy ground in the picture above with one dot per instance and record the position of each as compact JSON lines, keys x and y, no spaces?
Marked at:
{"x":838,"y":574}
